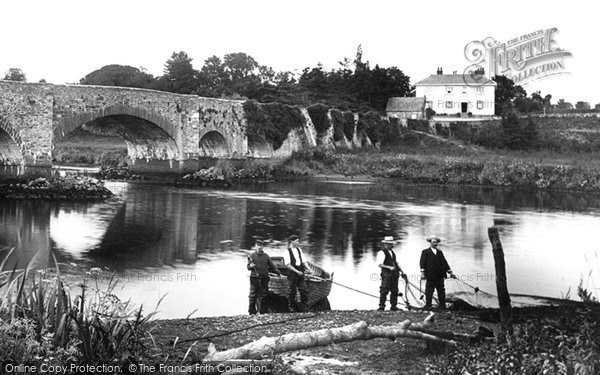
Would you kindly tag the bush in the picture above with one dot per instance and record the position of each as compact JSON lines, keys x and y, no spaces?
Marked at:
{"x":379,"y":129}
{"x":517,"y":135}
{"x":272,"y":121}
{"x":429,"y":113}
{"x":343,"y":125}
{"x":318,"y":115}
{"x":418,"y":125}
{"x":564,"y":344}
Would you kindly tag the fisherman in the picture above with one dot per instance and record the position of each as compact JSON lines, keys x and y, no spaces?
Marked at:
{"x":296,"y":280}
{"x":434,"y":269}
{"x":390,"y":272}
{"x":259,"y":263}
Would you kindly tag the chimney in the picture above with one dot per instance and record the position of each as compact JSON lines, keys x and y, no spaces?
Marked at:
{"x":439,"y":71}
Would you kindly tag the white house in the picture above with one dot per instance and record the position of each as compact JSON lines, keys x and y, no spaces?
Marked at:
{"x":458,"y":93}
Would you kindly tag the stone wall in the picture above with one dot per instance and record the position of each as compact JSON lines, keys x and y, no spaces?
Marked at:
{"x":26,"y":115}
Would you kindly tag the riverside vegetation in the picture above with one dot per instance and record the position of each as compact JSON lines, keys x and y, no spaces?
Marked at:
{"x":44,"y":319}
{"x":561,"y":154}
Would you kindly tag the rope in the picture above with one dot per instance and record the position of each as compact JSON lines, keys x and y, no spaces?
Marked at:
{"x":344,"y":286}
{"x":407,"y":286}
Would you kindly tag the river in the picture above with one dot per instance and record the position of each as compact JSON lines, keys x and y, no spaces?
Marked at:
{"x":190,"y":245}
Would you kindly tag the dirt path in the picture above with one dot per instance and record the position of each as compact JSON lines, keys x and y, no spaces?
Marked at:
{"x":379,"y":356}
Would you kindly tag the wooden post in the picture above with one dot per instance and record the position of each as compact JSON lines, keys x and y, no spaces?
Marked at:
{"x":503,"y":296}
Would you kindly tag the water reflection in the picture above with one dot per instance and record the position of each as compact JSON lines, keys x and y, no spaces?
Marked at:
{"x":192,"y":244}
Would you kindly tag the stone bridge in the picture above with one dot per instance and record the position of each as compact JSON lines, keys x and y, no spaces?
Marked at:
{"x":179,"y":130}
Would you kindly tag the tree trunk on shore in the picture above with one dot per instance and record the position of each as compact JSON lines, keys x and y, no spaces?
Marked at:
{"x":302,"y":340}
{"x":503,"y":295}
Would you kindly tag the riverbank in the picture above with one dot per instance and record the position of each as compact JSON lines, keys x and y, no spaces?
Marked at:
{"x":421,"y":158}
{"x":453,"y":165}
{"x":359,"y":357}
{"x":534,"y":346}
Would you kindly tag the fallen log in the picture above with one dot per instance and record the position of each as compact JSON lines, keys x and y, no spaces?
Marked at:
{"x":295,"y":341}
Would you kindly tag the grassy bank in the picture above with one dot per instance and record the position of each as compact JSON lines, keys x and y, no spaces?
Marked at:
{"x":422,"y":159}
{"x":469,"y":169}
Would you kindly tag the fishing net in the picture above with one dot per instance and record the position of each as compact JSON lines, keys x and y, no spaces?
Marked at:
{"x":465,"y":295}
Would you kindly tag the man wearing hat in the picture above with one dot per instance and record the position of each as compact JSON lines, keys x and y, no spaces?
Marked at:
{"x":434,"y":268}
{"x":296,"y":281}
{"x":390,"y":272}
{"x":259,"y":263}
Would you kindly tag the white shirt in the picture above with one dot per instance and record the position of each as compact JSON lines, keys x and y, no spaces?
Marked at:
{"x":295,"y":251}
{"x":434,"y":250}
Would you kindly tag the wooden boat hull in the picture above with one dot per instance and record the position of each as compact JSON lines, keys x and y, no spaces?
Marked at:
{"x":318,"y":282}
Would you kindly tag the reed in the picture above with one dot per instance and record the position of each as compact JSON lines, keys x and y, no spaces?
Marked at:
{"x":93,"y":326}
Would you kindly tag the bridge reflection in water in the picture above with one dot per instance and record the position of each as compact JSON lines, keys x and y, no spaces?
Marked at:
{"x":192,"y":244}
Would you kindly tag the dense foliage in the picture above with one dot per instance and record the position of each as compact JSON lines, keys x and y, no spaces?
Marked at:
{"x":510,"y":98}
{"x":563,"y":344}
{"x":119,"y":75}
{"x":353,"y":86}
{"x":44,"y":321}
{"x":272,"y":121}
{"x":15,"y":74}
{"x":318,"y":116}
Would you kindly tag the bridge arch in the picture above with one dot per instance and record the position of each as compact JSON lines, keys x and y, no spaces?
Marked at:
{"x":147,"y":134}
{"x":65,"y":125}
{"x":11,"y":144}
{"x":213,"y":144}
{"x":258,"y":147}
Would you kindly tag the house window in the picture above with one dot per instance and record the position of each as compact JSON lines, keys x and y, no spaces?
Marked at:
{"x":479,"y":104}
{"x":480,"y":89}
{"x":448,"y":104}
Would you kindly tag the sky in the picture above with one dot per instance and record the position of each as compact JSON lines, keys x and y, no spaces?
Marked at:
{"x":63,"y":40}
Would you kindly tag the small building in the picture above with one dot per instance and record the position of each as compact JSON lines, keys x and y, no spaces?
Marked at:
{"x":463,"y":94}
{"x":413,"y":108}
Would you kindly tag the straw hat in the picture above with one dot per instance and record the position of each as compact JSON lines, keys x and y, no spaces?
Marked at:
{"x":434,"y":237}
{"x":388,"y":239}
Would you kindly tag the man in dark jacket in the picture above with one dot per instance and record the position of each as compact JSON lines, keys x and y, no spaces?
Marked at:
{"x":259,"y":263}
{"x":434,"y":268}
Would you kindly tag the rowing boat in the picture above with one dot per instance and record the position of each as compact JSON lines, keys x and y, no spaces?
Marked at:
{"x":317,"y":279}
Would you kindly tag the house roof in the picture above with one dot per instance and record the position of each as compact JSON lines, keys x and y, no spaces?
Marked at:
{"x":405,"y":104}
{"x":455,"y":79}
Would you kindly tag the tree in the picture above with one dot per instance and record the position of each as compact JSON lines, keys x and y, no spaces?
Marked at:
{"x":581,"y":105}
{"x":243,"y":74}
{"x":119,"y":75}
{"x":563,"y":106}
{"x":15,"y":74}
{"x":506,"y":93}
{"x":212,"y":78}
{"x":519,"y":136}
{"x":179,"y":75}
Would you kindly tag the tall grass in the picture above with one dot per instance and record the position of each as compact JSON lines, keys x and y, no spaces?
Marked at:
{"x":93,"y":326}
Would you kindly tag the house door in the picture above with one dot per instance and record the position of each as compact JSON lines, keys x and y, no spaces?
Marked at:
{"x":464,"y":107}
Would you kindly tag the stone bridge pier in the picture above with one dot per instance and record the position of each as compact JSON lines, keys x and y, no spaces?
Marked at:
{"x":163,"y":131}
